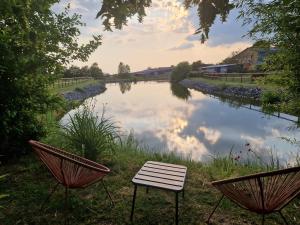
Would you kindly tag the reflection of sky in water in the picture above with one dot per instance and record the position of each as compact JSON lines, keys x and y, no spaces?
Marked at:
{"x":195,"y":128}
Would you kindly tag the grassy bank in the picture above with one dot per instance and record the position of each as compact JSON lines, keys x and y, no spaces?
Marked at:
{"x":234,"y":83}
{"x":29,"y":183}
{"x":58,"y":88}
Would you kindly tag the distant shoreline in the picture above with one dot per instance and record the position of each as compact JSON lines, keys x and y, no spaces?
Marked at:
{"x":80,"y":94}
{"x":241,"y":92}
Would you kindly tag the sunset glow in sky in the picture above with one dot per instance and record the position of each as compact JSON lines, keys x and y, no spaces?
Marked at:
{"x":164,"y":38}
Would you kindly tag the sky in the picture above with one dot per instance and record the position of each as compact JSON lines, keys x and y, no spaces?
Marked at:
{"x":166,"y":37}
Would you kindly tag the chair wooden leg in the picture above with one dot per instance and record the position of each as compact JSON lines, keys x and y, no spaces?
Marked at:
{"x":112,"y":202}
{"x":284,"y":219}
{"x":133,"y":202}
{"x":214,"y":209}
{"x":49,"y":196}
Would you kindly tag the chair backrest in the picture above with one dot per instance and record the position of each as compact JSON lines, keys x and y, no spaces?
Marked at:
{"x":70,"y":170}
{"x":263,"y":192}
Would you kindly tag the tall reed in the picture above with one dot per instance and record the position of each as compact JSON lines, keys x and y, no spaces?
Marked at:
{"x":91,"y":135}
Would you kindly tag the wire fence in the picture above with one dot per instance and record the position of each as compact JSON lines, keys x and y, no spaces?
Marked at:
{"x":233,"y":77}
{"x":64,"y":82}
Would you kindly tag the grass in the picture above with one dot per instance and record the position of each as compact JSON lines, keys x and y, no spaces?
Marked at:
{"x":29,"y":183}
{"x":58,"y":88}
{"x":233,"y":83}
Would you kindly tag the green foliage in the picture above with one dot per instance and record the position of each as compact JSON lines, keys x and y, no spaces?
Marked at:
{"x":123,"y":69}
{"x":196,"y":65}
{"x":208,"y":12}
{"x":85,"y":71}
{"x":271,"y":97}
{"x":2,"y":196}
{"x":180,"y":72}
{"x":90,"y":135}
{"x":95,"y":71}
{"x":115,"y":13}
{"x":277,"y":23}
{"x":34,"y":44}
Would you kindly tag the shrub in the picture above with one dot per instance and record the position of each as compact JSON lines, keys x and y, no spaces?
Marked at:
{"x":180,"y":72}
{"x":35,"y":44}
{"x":89,"y":134}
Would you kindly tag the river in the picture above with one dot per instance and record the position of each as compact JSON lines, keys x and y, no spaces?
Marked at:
{"x":192,"y":124}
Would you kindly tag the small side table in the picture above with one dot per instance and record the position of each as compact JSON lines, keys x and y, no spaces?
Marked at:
{"x":170,"y":177}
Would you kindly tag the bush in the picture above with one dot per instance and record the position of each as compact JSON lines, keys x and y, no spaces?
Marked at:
{"x":90,"y":135}
{"x":35,"y":44}
{"x":180,"y":72}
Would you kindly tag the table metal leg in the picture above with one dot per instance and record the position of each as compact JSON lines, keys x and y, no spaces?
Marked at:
{"x":133,"y":202}
{"x":176,"y":210}
{"x":183,"y":193}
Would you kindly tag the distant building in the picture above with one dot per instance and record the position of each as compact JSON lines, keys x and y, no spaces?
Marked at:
{"x":222,"y":68}
{"x":251,"y":58}
{"x":153,"y":71}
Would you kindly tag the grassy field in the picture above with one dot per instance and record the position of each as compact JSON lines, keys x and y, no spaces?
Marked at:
{"x":233,"y":83}
{"x":29,"y":182}
{"x":60,"y":88}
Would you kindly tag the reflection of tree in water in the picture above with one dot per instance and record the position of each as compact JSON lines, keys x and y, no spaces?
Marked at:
{"x":180,"y":91}
{"x":207,"y":13}
{"x":125,"y":86}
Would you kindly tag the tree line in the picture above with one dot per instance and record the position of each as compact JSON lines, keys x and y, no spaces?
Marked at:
{"x":85,"y":71}
{"x":37,"y":43}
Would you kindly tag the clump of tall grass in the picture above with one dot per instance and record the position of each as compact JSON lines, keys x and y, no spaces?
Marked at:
{"x":2,"y":177}
{"x":89,"y":134}
{"x":244,"y":162}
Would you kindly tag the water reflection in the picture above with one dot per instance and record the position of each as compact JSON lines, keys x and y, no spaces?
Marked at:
{"x":180,"y":91}
{"x":196,"y":128}
{"x":125,"y":86}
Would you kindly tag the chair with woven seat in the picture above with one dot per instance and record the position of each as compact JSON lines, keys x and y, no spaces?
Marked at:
{"x":262,"y":193}
{"x":69,"y":170}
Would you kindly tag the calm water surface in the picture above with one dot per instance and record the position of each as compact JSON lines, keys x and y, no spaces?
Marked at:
{"x":191,"y":123}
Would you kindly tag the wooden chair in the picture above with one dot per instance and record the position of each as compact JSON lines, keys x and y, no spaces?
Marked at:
{"x":262,"y":193}
{"x":69,"y":170}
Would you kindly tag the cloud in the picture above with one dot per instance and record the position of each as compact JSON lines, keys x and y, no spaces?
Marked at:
{"x":193,"y":37}
{"x":229,"y":32}
{"x":182,"y":47}
{"x":211,"y":135}
{"x":74,"y":5}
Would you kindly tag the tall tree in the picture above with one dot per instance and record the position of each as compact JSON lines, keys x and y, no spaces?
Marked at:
{"x":85,"y":71}
{"x":35,"y":43}
{"x":180,"y":72}
{"x":123,"y":69}
{"x":196,"y":65}
{"x":127,"y":68}
{"x":277,"y":23}
{"x":95,"y":71}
